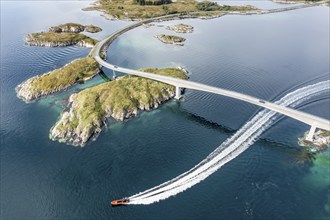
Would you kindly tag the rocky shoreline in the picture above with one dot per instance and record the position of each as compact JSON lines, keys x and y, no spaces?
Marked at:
{"x":49,"y":83}
{"x":170,"y":39}
{"x":89,"y":110}
{"x":321,"y":141}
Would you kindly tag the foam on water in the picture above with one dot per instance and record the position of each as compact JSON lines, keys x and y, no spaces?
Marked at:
{"x":228,"y":150}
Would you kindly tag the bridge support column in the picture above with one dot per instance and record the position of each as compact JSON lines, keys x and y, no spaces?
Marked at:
{"x":177,"y":93}
{"x":310,"y":135}
{"x":113,"y":74}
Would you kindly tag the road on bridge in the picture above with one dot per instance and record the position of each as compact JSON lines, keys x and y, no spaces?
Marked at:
{"x":312,"y":120}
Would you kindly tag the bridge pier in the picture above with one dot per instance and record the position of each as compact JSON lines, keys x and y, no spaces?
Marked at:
{"x":310,"y":135}
{"x":177,"y":93}
{"x":113,"y":74}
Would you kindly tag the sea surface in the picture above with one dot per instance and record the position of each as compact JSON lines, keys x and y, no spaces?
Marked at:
{"x":266,"y":56}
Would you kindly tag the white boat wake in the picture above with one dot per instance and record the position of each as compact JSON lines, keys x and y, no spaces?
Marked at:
{"x":229,"y":149}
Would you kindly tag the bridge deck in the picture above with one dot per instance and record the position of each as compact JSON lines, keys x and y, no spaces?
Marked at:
{"x":306,"y":118}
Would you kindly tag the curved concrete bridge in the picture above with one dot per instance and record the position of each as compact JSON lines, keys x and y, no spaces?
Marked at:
{"x":313,"y":121}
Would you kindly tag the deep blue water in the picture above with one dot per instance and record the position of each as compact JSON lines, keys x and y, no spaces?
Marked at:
{"x":263,"y":55}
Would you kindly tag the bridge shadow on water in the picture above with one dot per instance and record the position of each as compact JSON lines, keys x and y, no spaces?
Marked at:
{"x":175,"y":107}
{"x":104,"y":76}
{"x":299,"y":156}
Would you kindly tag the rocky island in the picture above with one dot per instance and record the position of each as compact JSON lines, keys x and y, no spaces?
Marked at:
{"x":170,"y":39}
{"x":120,"y":99}
{"x":57,"y":80}
{"x":181,"y":28}
{"x":53,"y":39}
{"x":63,"y":35}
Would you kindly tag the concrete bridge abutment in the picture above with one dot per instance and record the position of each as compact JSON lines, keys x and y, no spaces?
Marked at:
{"x":310,"y":135}
{"x":114,"y":74}
{"x":177,"y":93}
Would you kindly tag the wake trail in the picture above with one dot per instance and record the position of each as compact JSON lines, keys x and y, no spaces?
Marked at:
{"x":229,"y":149}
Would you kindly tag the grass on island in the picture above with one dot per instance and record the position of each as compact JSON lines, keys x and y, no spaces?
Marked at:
{"x":213,"y":6}
{"x":118,"y":97}
{"x":76,"y":71}
{"x":133,"y":9}
{"x":53,"y":37}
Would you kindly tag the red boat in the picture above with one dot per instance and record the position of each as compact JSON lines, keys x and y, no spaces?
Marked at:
{"x":123,"y":201}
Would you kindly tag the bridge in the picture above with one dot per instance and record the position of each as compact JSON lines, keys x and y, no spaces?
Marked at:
{"x":314,"y":121}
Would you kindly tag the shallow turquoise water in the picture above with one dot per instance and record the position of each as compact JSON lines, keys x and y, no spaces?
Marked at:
{"x":266,"y":56}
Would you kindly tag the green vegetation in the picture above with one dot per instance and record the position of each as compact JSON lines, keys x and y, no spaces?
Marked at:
{"x":122,"y":96}
{"x":152,"y":2}
{"x":119,"y":99}
{"x":92,"y":29}
{"x":77,"y":71}
{"x":213,"y":6}
{"x":53,"y":39}
{"x":141,"y":9}
{"x":207,"y":6}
